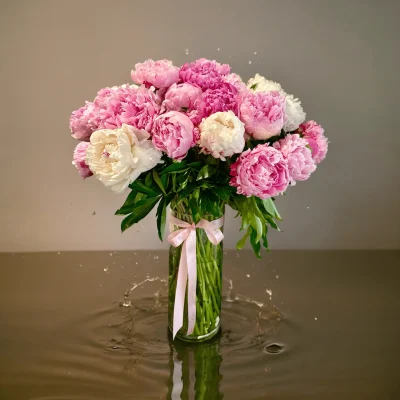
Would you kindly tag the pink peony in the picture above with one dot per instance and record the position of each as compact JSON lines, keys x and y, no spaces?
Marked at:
{"x":186,"y":98}
{"x":204,"y":73}
{"x":220,"y":99}
{"x":263,"y":113}
{"x":173,"y":133}
{"x":300,"y":162}
{"x":261,"y":172}
{"x":82,"y":122}
{"x":160,"y":74}
{"x":112,"y":107}
{"x":126,"y":105}
{"x":235,"y":80}
{"x":79,"y":160}
{"x":318,"y":142}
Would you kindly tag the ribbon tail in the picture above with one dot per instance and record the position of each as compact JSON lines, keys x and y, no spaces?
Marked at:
{"x":180,"y":291}
{"x":192,"y":280}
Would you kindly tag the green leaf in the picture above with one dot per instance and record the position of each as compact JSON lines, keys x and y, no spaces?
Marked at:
{"x":161,"y":218}
{"x":195,"y":165}
{"x":272,"y":223}
{"x":186,"y":191}
{"x":254,"y":244}
{"x":175,"y":167}
{"x":165,"y":181}
{"x":223,"y":193}
{"x":240,"y":244}
{"x":158,"y":181}
{"x":270,"y":208}
{"x":140,"y":210}
{"x":140,"y":187}
{"x":148,"y":181}
{"x":254,"y":87}
{"x":257,"y":226}
{"x":207,"y":171}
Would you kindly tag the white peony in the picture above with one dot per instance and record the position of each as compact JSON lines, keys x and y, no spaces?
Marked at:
{"x":222,"y":135}
{"x":260,"y":84}
{"x":118,"y":156}
{"x":294,"y":113}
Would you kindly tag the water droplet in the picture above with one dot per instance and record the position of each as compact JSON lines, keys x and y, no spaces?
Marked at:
{"x":137,"y":263}
{"x":273,"y":348}
{"x":186,"y":51}
{"x":237,"y":255}
{"x":277,"y":277}
{"x":58,"y":253}
{"x":101,"y":285}
{"x":110,"y":254}
{"x":249,"y":62}
{"x":106,"y":269}
{"x":218,"y":49}
{"x":94,"y":213}
{"x":80,"y":265}
{"x":127,"y":303}
{"x":255,"y":53}
{"x":248,"y":275}
{"x":155,"y":257}
{"x":308,"y":208}
{"x":269,"y":291}
{"x":316,"y":318}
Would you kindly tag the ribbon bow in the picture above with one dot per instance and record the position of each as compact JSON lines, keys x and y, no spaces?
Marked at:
{"x":187,"y":265}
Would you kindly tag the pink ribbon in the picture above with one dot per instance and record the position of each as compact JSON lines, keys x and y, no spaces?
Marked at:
{"x":187,"y":265}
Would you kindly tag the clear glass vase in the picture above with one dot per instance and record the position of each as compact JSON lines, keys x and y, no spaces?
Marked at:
{"x":209,"y":278}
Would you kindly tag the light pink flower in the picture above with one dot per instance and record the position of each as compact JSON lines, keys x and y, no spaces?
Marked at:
{"x":82,"y":122}
{"x":235,"y":80}
{"x":79,"y":160}
{"x":263,"y":113}
{"x":298,"y":156}
{"x":126,"y":105}
{"x":186,"y":98}
{"x":318,"y":142}
{"x":204,"y":73}
{"x":222,"y":98}
{"x":160,"y":74}
{"x":173,"y":133}
{"x":261,"y":172}
{"x":112,"y":107}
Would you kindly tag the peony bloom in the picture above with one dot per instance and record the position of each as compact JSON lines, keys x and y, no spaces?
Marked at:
{"x":235,"y":80}
{"x":79,"y":160}
{"x":173,"y":133}
{"x":118,"y":156}
{"x":261,"y":172}
{"x":131,"y":105}
{"x":263,"y":114}
{"x":222,"y":98}
{"x":222,"y":135}
{"x":294,"y":114}
{"x":204,"y":73}
{"x":82,"y":122}
{"x":298,"y":156}
{"x":160,"y":74}
{"x":318,"y":142}
{"x":186,"y":98}
{"x":260,"y":84}
{"x":113,"y":107}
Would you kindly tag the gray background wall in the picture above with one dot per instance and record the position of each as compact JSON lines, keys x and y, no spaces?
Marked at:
{"x":341,"y":58}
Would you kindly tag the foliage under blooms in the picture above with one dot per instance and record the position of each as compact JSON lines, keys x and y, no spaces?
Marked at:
{"x":197,"y":134}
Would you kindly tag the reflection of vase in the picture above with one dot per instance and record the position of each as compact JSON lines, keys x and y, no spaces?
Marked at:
{"x":209,"y":277}
{"x":194,"y":371}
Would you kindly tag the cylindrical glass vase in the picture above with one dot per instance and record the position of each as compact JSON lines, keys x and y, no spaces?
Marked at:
{"x":209,"y":279}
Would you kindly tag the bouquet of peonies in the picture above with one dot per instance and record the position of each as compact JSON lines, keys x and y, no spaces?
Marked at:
{"x":197,"y":138}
